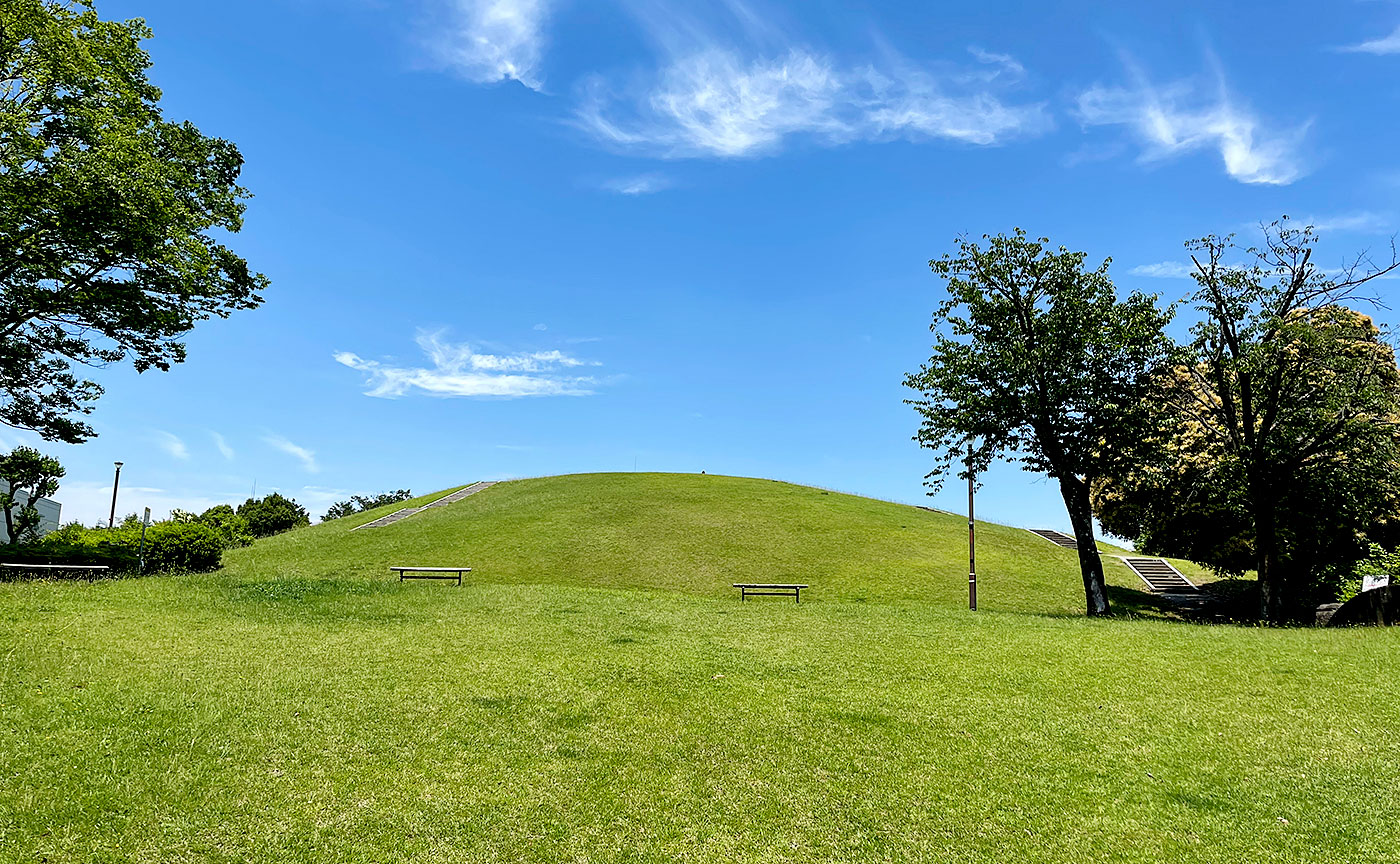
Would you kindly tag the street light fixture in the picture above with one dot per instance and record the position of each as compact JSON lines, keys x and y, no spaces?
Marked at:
{"x":116,"y":481}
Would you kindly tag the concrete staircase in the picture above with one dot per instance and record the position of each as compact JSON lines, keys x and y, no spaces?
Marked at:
{"x":399,"y":515}
{"x":1059,"y":538}
{"x":1160,"y":576}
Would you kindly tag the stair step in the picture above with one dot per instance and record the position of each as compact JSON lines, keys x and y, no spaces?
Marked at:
{"x":1059,"y":538}
{"x":1160,"y":575}
{"x":406,"y":512}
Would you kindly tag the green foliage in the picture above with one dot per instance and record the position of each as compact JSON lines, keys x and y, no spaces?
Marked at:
{"x":1173,"y":512}
{"x":172,"y":546}
{"x":339,"y":510}
{"x":272,"y":514}
{"x":232,"y":529}
{"x":169,"y":546}
{"x":109,"y":215}
{"x":28,"y":475}
{"x":1285,"y":429}
{"x":361,"y":503}
{"x":1037,"y":360}
{"x":1378,"y":560}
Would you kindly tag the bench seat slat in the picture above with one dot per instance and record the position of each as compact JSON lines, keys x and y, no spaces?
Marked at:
{"x":768,"y":585}
{"x":432,"y":569}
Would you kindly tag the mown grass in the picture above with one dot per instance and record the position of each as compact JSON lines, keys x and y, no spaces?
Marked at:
{"x":302,"y":706}
{"x":698,"y":534}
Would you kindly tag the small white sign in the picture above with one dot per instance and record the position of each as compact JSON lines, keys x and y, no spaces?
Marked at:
{"x":1372,"y":581}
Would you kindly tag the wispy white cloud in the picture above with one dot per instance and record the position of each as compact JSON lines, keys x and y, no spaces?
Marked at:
{"x":746,"y":91}
{"x":89,"y":502}
{"x":1002,"y":65}
{"x":493,"y":40}
{"x":1163,"y":270}
{"x":1384,"y":45}
{"x":459,"y":371}
{"x":222,"y":446}
{"x":1360,"y":222}
{"x":318,"y":499}
{"x":305,"y":456}
{"x":641,"y":184}
{"x":541,"y":327}
{"x":1185,"y":117}
{"x":173,"y":445}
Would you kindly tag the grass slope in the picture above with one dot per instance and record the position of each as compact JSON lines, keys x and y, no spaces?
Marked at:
{"x":697,"y":534}
{"x":301,"y":706}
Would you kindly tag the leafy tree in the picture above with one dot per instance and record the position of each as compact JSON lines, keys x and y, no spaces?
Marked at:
{"x":1290,"y":400}
{"x":108,"y":215}
{"x":1176,"y":510}
{"x":369,"y":502}
{"x":232,"y":529}
{"x":272,"y":515}
{"x":361,"y":503}
{"x":28,"y":475}
{"x":339,"y":510}
{"x":1036,"y":359}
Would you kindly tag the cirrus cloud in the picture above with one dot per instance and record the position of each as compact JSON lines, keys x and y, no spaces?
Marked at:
{"x":1384,"y":45}
{"x":301,"y":454}
{"x":716,"y":102}
{"x":458,"y":370}
{"x":487,"y":41}
{"x":1186,"y":116}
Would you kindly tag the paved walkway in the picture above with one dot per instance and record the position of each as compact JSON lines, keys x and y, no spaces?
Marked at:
{"x":453,"y":498}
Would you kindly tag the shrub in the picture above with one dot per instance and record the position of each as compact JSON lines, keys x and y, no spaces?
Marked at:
{"x":272,"y":515}
{"x":176,"y":546}
{"x":170,"y":546}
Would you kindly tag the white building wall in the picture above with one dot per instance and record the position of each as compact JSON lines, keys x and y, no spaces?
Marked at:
{"x":49,"y":514}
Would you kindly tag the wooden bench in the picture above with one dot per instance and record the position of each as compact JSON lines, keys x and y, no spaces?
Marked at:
{"x":431,"y":573}
{"x":760,"y":589}
{"x":93,"y":569}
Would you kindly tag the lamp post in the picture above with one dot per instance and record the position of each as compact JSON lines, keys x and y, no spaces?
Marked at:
{"x":116,"y":481}
{"x":971,"y":536}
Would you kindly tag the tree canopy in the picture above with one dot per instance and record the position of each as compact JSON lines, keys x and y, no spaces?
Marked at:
{"x":272,"y":514}
{"x":109,"y":215}
{"x":1036,"y":359}
{"x":1284,"y":449}
{"x":361,"y":503}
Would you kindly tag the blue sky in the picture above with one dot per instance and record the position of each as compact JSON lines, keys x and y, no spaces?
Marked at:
{"x":525,"y":237}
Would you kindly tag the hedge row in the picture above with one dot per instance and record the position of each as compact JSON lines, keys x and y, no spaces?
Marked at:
{"x":170,"y":546}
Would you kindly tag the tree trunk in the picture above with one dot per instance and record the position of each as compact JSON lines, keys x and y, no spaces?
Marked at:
{"x":1076,"y":495}
{"x":1273,"y":596}
{"x":9,"y":516}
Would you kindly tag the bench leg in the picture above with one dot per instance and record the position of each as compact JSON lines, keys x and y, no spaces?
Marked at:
{"x":797,"y":594}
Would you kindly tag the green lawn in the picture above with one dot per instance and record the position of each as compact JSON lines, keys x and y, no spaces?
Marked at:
{"x":598,"y":693}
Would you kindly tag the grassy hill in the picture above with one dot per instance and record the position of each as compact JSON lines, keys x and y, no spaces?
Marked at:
{"x":598,"y":693}
{"x":698,"y":534}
